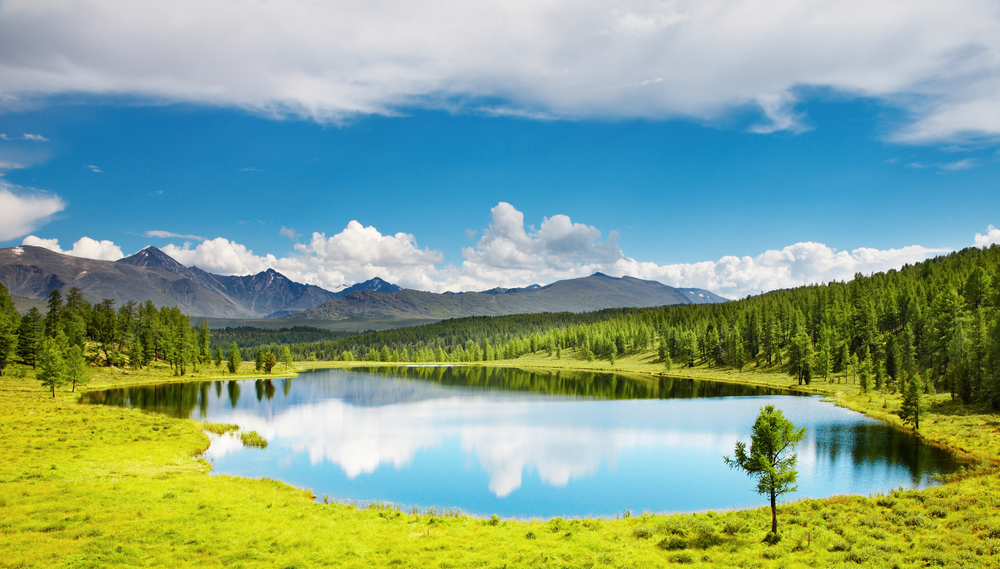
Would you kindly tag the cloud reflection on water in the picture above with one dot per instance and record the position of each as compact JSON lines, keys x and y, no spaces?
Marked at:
{"x":508,"y":437}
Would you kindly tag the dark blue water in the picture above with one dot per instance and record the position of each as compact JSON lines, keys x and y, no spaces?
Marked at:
{"x":529,"y":444}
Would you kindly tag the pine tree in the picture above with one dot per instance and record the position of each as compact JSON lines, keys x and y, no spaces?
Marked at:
{"x":286,"y":356}
{"x":269,"y":362}
{"x":52,"y":366}
{"x":912,"y":399}
{"x":864,"y":372}
{"x":234,"y":358}
{"x":53,"y":319}
{"x":771,"y":459}
{"x":10,"y":321}
{"x":29,"y":337}
{"x":76,"y":366}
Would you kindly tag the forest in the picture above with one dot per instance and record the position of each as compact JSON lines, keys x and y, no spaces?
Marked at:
{"x":936,"y":320}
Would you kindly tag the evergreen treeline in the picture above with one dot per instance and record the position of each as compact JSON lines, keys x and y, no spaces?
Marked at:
{"x":493,"y":332}
{"x":937,"y":319}
{"x":132,"y":334}
{"x":251,"y":338}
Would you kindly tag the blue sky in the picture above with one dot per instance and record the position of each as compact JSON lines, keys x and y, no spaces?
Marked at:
{"x":431,"y":160}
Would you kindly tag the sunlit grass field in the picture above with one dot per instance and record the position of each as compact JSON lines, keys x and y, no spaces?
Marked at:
{"x":96,"y":486}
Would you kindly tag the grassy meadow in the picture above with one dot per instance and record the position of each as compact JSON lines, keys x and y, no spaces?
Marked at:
{"x":96,"y":486}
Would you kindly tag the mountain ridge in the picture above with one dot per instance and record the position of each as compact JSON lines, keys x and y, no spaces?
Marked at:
{"x":585,"y":294}
{"x":34,"y":272}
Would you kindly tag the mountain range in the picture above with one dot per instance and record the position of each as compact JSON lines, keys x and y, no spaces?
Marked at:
{"x":595,"y":292}
{"x":33,"y":272}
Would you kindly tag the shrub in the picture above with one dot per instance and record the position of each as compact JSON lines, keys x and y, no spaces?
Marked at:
{"x":682,"y":557}
{"x":642,"y":533}
{"x":672,"y":543}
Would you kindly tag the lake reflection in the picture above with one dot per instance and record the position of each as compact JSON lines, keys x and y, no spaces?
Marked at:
{"x":515,"y":443}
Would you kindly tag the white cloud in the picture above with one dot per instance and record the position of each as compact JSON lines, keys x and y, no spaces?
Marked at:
{"x":779,"y":109}
{"x":288,"y":232}
{"x":992,"y":236}
{"x":169,"y":234}
{"x":23,"y":210}
{"x":365,"y":253}
{"x":25,"y":136}
{"x":8,"y":165}
{"x":959,"y":165}
{"x":509,"y":256}
{"x":95,"y":169}
{"x":221,"y":256}
{"x":795,"y":265}
{"x":939,"y":61}
{"x":84,"y":247}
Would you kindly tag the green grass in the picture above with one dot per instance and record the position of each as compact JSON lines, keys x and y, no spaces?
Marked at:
{"x":97,"y":486}
{"x":253,"y":439}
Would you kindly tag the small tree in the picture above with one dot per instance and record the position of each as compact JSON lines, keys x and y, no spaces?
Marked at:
{"x":258,"y":361}
{"x":912,"y":398}
{"x":218,"y":356}
{"x":269,"y":362}
{"x":286,"y":356}
{"x":52,"y":372}
{"x":76,"y":366}
{"x":771,"y":460}
{"x":234,"y":358}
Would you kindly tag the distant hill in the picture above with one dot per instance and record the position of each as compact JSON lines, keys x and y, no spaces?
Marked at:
{"x":595,"y":292}
{"x":34,"y":272}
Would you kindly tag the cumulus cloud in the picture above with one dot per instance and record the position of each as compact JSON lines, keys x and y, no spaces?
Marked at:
{"x":170,"y":234}
{"x":85,"y":247}
{"x":794,"y":265}
{"x":288,"y":232}
{"x":992,"y":236}
{"x":939,"y":61}
{"x":23,"y":210}
{"x":512,"y":254}
{"x":221,"y":256}
{"x":507,"y":255}
{"x":355,"y":254}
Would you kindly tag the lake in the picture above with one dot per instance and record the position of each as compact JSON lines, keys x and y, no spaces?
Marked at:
{"x":531,"y":444}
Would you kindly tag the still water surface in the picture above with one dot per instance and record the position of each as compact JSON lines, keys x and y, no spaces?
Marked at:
{"x":530,"y":444}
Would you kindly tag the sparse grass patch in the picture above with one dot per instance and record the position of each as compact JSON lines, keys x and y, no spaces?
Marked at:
{"x":252,"y":439}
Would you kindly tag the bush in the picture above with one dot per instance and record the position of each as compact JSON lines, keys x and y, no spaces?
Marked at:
{"x":682,"y":557}
{"x":642,"y":533}
{"x":672,"y":543}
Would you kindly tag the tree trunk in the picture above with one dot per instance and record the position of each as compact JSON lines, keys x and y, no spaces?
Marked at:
{"x":774,"y":515}
{"x":53,"y":390}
